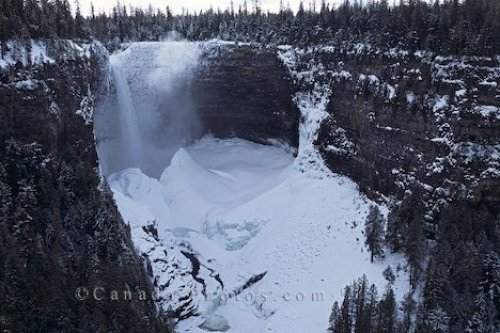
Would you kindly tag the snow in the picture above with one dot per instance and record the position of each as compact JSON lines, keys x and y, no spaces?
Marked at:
{"x":470,"y":151}
{"x":457,"y":82}
{"x":27,"y":84}
{"x":410,"y":97}
{"x":18,"y":52}
{"x":86,"y":110}
{"x":372,"y":79}
{"x":250,"y":212}
{"x":441,"y":103}
{"x":312,"y":103}
{"x":461,"y":93}
{"x":487,"y":111}
{"x":491,"y":84}
{"x":215,"y":324}
{"x":219,"y":42}
{"x":54,"y":109}
{"x":391,"y":91}
{"x":397,"y":53}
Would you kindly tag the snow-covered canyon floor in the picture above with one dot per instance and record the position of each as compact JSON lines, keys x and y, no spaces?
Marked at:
{"x":224,"y":212}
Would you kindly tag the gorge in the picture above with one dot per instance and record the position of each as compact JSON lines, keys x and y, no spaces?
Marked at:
{"x":334,"y":168}
{"x":239,"y":234}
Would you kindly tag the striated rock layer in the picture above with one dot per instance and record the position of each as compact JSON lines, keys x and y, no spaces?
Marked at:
{"x":246,"y":92}
{"x":398,"y":119}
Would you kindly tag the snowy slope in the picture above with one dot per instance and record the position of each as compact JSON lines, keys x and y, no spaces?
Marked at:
{"x":43,"y":52}
{"x":247,"y":236}
{"x":18,"y":52}
{"x":245,"y":209}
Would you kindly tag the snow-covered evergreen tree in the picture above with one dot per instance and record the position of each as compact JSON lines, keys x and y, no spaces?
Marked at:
{"x":374,"y":232}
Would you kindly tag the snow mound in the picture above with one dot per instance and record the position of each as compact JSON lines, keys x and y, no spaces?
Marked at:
{"x":215,"y":324}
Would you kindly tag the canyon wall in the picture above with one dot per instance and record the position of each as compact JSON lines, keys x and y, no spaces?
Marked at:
{"x":59,"y":226}
{"x":246,"y":92}
{"x":397,"y":119}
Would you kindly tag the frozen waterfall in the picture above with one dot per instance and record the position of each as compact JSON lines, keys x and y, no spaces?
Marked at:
{"x":151,"y":114}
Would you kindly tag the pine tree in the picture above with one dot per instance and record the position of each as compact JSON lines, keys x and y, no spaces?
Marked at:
{"x":335,"y":313}
{"x":360,"y":320}
{"x":491,"y":279}
{"x":386,"y":321}
{"x":371,"y":313}
{"x":414,"y":248}
{"x":343,"y":324}
{"x":82,"y":30}
{"x":437,"y":321}
{"x":5,"y":25}
{"x":374,"y":232}
{"x":409,"y":308}
{"x":400,"y":218}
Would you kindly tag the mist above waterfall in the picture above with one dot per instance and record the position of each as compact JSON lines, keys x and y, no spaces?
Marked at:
{"x":151,"y":114}
{"x":174,"y":62}
{"x":176,"y":123}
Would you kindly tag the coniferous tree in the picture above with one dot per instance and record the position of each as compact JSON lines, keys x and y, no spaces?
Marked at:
{"x":81,"y":30}
{"x":468,"y":27}
{"x":409,"y":311}
{"x":374,"y":232}
{"x":360,"y":319}
{"x":335,"y":313}
{"x":366,"y":313}
{"x":7,"y":20}
{"x":343,"y":323}
{"x":386,"y":319}
{"x":414,"y":248}
{"x":401,"y":217}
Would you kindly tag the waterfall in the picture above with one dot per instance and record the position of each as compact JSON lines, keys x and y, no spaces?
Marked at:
{"x":152,"y":114}
{"x":170,"y":80}
{"x":131,"y":146}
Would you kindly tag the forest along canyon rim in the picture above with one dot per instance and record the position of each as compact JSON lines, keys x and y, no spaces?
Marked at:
{"x":226,"y":216}
{"x":402,"y":98}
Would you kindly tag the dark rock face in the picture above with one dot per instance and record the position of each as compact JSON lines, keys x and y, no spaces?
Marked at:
{"x":245,"y":92}
{"x":58,"y":230}
{"x":406,"y":119}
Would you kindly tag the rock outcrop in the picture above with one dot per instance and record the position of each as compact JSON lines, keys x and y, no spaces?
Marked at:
{"x":398,"y":119}
{"x":246,"y":92}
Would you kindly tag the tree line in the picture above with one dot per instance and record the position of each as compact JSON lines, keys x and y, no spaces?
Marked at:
{"x":457,"y":269}
{"x":442,"y":26}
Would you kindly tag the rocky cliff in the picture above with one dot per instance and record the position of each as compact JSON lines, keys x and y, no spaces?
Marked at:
{"x":245,"y":91}
{"x":59,"y":227}
{"x":397,"y":119}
